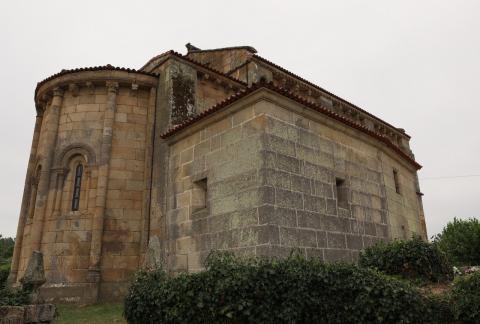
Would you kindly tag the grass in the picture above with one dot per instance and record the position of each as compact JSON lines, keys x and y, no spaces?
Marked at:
{"x":91,"y":314}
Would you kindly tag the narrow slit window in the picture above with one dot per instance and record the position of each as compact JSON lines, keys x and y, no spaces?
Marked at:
{"x":395,"y":179}
{"x":77,"y":187}
{"x":342,"y":193}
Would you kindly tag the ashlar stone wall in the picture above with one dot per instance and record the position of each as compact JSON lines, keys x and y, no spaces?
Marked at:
{"x":92,"y":251}
{"x":274,"y":172}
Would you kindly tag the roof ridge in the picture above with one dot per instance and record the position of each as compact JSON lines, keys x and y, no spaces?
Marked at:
{"x":286,"y":93}
{"x":251,"y":49}
{"x":207,"y":67}
{"x":157,"y":57}
{"x":188,"y":59}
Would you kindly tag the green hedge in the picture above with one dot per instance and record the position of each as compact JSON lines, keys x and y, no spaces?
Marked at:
{"x":292,"y":290}
{"x":460,"y":240}
{"x":412,"y":259}
{"x":466,"y":298}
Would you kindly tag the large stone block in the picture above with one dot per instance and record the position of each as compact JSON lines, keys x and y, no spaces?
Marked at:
{"x":275,"y":178}
{"x":287,"y":163}
{"x":336,"y":240}
{"x":289,"y":199}
{"x":269,"y":214}
{"x":279,"y":145}
{"x":336,"y":255}
{"x":308,"y":219}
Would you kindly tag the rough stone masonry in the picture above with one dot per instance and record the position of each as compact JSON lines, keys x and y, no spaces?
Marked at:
{"x":214,"y":149}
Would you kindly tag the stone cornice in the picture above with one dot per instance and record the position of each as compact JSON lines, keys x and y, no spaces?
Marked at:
{"x":306,"y":89}
{"x":73,"y":80}
{"x":381,"y":138}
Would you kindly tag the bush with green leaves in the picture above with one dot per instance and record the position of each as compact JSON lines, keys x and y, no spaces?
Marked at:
{"x":14,"y":297}
{"x":466,"y":298}
{"x":6,"y":252}
{"x":6,"y":248}
{"x":291,"y":290}
{"x":460,"y":240}
{"x":411,"y":259}
{"x":4,"y":272}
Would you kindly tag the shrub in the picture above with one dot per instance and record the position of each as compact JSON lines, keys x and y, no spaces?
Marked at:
{"x":460,"y":240}
{"x":14,"y":297}
{"x":4,"y":272}
{"x":466,"y":298}
{"x":292,"y":290}
{"x":6,"y":248}
{"x":412,"y":259}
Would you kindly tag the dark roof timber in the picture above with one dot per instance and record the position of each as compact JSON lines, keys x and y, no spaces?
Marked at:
{"x":263,"y":85}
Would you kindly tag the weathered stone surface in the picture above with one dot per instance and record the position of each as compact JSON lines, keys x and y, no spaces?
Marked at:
{"x":262,"y":175}
{"x":155,"y":256}
{"x":41,"y":313}
{"x":34,"y":274}
{"x":12,"y":314}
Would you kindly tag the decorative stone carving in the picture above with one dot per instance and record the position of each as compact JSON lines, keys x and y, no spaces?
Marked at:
{"x":58,"y":92}
{"x":74,"y":89}
{"x":112,"y":86}
{"x":90,"y":86}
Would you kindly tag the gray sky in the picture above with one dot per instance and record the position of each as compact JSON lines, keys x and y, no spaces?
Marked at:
{"x":415,"y":64}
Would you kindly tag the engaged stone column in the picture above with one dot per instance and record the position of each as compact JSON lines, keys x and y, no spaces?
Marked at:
{"x":27,"y":192}
{"x":46,"y":151}
{"x":102,"y":183}
{"x":150,"y":144}
{"x":58,"y":191}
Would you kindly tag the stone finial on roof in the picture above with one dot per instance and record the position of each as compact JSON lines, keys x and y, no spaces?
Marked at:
{"x":190,"y":47}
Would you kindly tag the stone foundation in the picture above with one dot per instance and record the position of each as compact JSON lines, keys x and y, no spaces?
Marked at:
{"x":42,"y":313}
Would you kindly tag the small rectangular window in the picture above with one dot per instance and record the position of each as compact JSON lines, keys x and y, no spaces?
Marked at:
{"x":200,"y":194}
{"x":342,"y":193}
{"x":395,"y":179}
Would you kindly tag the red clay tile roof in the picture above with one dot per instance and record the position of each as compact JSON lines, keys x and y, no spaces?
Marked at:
{"x":292,"y":96}
{"x":93,"y":68}
{"x":321,"y":89}
{"x":157,"y":57}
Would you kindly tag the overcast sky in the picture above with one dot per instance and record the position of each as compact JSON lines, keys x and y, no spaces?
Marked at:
{"x":415,"y":64}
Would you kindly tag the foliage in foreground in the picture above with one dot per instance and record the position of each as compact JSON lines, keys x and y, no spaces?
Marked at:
{"x":292,"y":290}
{"x":460,"y":240}
{"x":466,"y":298}
{"x":6,"y":252}
{"x":412,"y":259}
{"x":6,"y":248}
{"x":14,"y":297}
{"x":4,"y":272}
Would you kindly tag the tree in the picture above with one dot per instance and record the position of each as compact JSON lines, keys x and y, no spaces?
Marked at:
{"x":460,"y":240}
{"x":6,"y":248}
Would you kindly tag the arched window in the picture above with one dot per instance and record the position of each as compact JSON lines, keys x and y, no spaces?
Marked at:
{"x":76,"y":187}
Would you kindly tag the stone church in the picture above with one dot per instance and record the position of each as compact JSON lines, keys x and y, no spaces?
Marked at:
{"x":215,"y":149}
